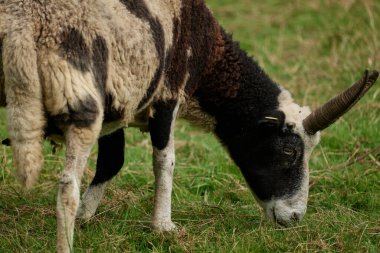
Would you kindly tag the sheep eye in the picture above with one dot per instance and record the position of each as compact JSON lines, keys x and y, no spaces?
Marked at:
{"x":288,"y":151}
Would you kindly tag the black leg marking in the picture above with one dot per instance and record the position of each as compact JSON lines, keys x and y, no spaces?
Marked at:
{"x":110,"y":157}
{"x":160,"y":124}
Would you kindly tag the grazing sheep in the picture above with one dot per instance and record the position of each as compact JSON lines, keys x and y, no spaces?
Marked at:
{"x":84,"y":70}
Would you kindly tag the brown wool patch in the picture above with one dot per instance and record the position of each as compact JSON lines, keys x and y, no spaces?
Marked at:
{"x":224,"y":78}
{"x":176,"y":61}
{"x":197,"y":33}
{"x":204,"y":40}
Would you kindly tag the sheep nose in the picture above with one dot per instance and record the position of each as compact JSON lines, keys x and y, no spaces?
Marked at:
{"x":295,"y":217}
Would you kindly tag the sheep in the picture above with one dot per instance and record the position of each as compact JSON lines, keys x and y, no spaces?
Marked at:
{"x":81,"y":71}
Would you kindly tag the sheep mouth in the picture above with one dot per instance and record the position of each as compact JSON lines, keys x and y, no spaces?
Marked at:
{"x":274,"y":215}
{"x":279,"y":221}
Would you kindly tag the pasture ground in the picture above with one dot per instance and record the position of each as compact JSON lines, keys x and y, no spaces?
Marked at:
{"x":314,"y":49}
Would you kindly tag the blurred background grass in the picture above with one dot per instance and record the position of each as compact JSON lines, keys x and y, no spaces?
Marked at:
{"x":314,"y":49}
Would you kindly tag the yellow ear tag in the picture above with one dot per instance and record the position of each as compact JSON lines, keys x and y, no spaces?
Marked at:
{"x":271,"y":118}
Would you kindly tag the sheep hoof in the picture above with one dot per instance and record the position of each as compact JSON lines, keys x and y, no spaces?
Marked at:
{"x":84,"y":213}
{"x":90,"y":201}
{"x":164,"y":226}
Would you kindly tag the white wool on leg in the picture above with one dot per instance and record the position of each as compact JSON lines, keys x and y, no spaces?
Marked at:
{"x":163,"y":166}
{"x":79,"y":142}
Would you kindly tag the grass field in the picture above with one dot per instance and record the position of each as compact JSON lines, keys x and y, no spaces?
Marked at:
{"x":314,"y":49}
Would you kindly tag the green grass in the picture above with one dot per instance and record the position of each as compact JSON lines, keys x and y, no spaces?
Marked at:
{"x":314,"y":49}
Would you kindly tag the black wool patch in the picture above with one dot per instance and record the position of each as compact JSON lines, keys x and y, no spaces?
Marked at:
{"x":176,"y":60}
{"x":100,"y":55}
{"x":100,"y":63}
{"x":195,"y":32}
{"x":82,"y":115}
{"x":159,"y":41}
{"x":254,"y":92}
{"x":51,"y":128}
{"x":140,"y":10}
{"x":110,"y":156}
{"x":160,"y":124}
{"x":110,"y":113}
{"x":74,"y":49}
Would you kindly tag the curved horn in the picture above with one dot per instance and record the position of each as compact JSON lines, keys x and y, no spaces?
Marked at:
{"x":328,"y":113}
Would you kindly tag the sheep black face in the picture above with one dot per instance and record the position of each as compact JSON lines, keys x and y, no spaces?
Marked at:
{"x":273,"y":152}
{"x":273,"y":157}
{"x":279,"y":175}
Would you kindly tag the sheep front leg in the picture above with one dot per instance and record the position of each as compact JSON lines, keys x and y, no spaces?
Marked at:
{"x":78,"y":142}
{"x":24,"y":101}
{"x":161,"y":128}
